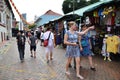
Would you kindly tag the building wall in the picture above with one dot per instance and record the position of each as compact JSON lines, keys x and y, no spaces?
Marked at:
{"x":3,"y":33}
{"x":6,"y":25}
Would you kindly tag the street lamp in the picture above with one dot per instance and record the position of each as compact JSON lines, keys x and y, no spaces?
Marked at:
{"x":73,"y":3}
{"x":73,"y":6}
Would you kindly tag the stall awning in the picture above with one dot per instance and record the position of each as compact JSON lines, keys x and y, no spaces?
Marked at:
{"x":112,"y":2}
{"x":87,"y":8}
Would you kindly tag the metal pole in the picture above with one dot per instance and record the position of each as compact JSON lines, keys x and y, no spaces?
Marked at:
{"x":73,"y":6}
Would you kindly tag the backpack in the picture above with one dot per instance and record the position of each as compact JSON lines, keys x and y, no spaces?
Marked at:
{"x":21,"y":40}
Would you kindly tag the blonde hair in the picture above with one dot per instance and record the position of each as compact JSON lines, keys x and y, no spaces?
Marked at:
{"x":71,"y":23}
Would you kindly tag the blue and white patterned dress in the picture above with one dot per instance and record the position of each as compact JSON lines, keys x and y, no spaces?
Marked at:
{"x":86,"y":49}
{"x":72,"y":51}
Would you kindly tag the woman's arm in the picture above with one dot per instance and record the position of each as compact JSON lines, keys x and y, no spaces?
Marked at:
{"x":85,"y":31}
{"x":80,"y":43}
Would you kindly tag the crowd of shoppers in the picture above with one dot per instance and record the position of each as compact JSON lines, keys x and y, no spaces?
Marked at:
{"x":77,"y":46}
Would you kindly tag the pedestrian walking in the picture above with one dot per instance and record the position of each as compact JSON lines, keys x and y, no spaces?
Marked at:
{"x":42,"y":37}
{"x":51,"y":43}
{"x":21,"y":45}
{"x":33,"y":42}
{"x":71,"y":39}
{"x":86,"y":47}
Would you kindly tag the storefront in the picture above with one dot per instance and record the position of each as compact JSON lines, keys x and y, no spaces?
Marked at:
{"x":106,"y":19}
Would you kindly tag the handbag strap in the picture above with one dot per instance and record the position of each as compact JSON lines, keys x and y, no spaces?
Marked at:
{"x":49,"y":36}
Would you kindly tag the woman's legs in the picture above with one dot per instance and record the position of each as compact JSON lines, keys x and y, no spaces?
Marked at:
{"x":91,"y":63}
{"x":78,"y":68}
{"x":67,"y":64}
{"x":47,"y":57}
{"x":51,"y":55}
{"x":77,"y":59}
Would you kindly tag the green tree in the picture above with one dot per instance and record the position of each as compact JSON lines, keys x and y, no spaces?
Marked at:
{"x":68,"y":5}
{"x":31,"y":26}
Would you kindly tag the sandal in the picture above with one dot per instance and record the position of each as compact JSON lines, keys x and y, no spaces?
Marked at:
{"x":47,"y":61}
{"x":31,"y":56}
{"x":80,"y":77}
{"x":51,"y":58}
{"x":67,"y":73}
{"x":93,"y":68}
{"x":34,"y":56}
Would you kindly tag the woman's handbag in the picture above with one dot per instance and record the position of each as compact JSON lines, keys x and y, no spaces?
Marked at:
{"x":84,"y":43}
{"x":46,"y":41}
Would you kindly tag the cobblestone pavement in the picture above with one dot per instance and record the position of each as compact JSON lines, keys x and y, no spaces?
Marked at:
{"x":37,"y":69}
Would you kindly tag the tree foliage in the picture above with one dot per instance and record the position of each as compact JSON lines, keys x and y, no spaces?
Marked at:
{"x":31,"y":26}
{"x":77,"y":5}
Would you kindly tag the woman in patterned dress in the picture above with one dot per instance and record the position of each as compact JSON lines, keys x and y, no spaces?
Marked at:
{"x":71,"y":39}
{"x":86,"y":48}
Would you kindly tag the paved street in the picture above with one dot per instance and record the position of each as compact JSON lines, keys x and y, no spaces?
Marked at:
{"x":37,"y":69}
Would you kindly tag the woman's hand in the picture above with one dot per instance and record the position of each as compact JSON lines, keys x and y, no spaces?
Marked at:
{"x":74,"y":44}
{"x":54,"y":45}
{"x":81,"y":48}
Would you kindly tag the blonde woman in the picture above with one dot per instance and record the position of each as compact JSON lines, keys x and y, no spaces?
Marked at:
{"x":71,"y":39}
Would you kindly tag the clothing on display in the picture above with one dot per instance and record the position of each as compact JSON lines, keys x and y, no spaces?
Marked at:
{"x":112,"y":44}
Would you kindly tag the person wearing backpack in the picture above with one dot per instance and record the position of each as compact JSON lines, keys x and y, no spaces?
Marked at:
{"x":21,"y":45}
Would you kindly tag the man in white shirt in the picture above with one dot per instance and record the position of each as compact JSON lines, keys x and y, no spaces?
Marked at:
{"x":50,"y":47}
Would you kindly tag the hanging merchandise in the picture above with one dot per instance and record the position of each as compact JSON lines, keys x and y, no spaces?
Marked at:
{"x":100,"y":12}
{"x":118,"y":21}
{"x":105,"y":11}
{"x":110,"y":9}
{"x":108,"y":29}
{"x":95,"y":14}
{"x":112,"y":44}
{"x":113,"y":13}
{"x":113,"y":18}
{"x":87,"y":20}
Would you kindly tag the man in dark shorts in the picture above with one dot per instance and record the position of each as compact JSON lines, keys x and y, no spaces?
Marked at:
{"x":33,"y":42}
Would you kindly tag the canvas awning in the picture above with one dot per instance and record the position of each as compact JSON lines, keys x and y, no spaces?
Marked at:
{"x":87,"y":8}
{"x":116,"y":3}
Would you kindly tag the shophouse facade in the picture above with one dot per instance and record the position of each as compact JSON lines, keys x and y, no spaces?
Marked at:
{"x":6,"y":20}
